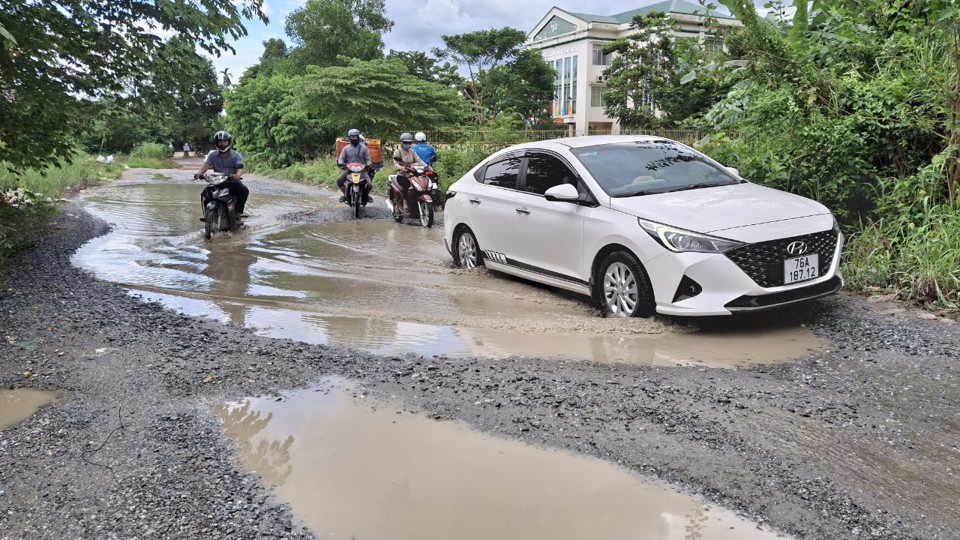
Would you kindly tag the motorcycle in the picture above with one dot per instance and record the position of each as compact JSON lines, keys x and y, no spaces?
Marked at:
{"x":419,"y":200}
{"x":219,"y":207}
{"x":353,"y":190}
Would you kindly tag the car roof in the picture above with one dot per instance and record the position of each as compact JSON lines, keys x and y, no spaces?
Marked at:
{"x":587,"y":140}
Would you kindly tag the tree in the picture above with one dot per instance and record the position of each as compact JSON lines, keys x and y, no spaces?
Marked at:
{"x":60,"y":54}
{"x":643,"y":72}
{"x":523,"y":86}
{"x":428,"y":69}
{"x":326,"y":29}
{"x":479,"y":52}
{"x":269,"y":124}
{"x":379,"y":97}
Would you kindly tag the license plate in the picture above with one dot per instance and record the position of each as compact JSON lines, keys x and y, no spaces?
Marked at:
{"x":801,"y":268}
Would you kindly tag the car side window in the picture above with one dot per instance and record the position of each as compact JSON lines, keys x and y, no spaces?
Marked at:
{"x":503,"y":173}
{"x":545,"y":171}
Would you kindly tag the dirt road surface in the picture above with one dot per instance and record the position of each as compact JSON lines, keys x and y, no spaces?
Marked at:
{"x":859,"y":441}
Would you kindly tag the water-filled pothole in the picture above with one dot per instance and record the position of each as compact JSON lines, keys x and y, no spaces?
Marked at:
{"x":352,"y":467}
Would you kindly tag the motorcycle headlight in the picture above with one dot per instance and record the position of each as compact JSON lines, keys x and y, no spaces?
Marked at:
{"x":683,"y":241}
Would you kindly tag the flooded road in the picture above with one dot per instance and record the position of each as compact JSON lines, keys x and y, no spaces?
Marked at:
{"x":358,"y":468}
{"x":304,"y":269}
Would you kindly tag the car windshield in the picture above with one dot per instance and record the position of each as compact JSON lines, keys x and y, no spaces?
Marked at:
{"x":643,"y":168}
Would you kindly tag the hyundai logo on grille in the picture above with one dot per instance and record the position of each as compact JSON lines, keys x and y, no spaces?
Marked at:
{"x":797,"y":248}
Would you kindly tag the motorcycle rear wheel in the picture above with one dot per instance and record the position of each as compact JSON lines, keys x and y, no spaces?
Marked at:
{"x":426,"y":213}
{"x":228,"y":220}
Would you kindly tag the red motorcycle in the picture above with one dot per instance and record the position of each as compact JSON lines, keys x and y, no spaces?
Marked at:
{"x":415,"y":202}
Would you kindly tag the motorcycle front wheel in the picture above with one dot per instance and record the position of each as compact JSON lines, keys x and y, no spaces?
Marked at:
{"x":426,"y":213}
{"x":211,"y":222}
{"x":356,"y":199}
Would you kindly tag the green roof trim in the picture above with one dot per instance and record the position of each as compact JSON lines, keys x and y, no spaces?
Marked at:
{"x":555,"y":27}
{"x":682,"y":7}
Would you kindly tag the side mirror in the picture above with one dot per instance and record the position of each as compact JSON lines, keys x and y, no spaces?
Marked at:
{"x":733,"y":171}
{"x":563,"y":192}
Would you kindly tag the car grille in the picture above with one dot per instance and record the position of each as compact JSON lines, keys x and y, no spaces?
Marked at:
{"x":763,"y":261}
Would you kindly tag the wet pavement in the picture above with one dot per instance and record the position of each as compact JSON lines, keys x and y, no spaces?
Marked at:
{"x":304,"y":268}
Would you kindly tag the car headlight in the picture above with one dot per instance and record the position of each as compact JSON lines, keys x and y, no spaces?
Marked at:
{"x":683,"y":241}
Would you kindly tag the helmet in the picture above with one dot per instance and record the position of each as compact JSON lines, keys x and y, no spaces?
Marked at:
{"x":420,"y":136}
{"x":354,"y":136}
{"x":406,"y":137}
{"x":222,"y":136}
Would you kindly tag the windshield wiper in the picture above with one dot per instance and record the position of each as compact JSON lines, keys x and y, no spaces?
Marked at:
{"x":695,"y":186}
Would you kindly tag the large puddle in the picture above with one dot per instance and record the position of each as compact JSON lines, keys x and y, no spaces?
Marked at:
{"x":19,"y":405}
{"x":373,"y":284}
{"x":353,"y":468}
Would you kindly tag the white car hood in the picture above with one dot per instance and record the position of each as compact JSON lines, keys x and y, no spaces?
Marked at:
{"x":722,"y":208}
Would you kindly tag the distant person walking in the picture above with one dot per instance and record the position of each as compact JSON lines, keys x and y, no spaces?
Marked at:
{"x":186,"y":149}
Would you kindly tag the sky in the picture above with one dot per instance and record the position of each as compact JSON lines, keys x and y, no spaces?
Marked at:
{"x":419,"y":25}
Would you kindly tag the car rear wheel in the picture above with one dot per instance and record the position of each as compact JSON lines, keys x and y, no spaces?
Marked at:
{"x":466,"y":250}
{"x":623,"y":288}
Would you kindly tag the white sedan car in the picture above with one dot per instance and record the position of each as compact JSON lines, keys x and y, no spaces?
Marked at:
{"x":641,"y":224}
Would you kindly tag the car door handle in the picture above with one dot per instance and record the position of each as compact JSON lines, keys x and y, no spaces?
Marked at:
{"x":474,"y":200}
{"x":523,"y":211}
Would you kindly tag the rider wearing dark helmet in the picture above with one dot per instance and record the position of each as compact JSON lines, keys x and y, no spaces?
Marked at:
{"x":355,"y":152}
{"x":226,"y":160}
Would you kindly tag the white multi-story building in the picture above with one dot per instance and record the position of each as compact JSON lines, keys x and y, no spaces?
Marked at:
{"x":572,"y":43}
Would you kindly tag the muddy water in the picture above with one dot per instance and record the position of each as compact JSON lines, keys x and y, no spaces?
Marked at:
{"x":19,"y":405}
{"x":373,"y":284}
{"x":353,"y":468}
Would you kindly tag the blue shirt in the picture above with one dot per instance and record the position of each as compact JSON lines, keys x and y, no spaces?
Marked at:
{"x":426,"y":152}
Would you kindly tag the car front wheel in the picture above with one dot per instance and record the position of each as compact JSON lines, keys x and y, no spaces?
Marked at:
{"x":466,"y":250}
{"x":623,"y":288}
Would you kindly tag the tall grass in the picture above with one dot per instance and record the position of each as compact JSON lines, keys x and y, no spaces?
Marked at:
{"x":919,"y":262}
{"x":23,"y":224}
{"x":151,"y":156}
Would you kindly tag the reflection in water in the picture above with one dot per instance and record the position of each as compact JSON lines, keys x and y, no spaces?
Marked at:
{"x":269,"y":457}
{"x":382,"y":287}
{"x":356,"y":468}
{"x":228,"y":267}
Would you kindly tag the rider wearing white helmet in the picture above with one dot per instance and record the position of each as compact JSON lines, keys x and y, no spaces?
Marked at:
{"x":424,"y":150}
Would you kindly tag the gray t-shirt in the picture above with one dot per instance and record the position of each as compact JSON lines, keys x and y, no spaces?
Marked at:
{"x":224,"y":163}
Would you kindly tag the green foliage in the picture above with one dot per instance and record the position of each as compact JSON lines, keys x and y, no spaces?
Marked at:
{"x":523,"y":87}
{"x":326,"y":29}
{"x":643,"y":69}
{"x":428,"y":69}
{"x":380,"y":98}
{"x":917,"y":261}
{"x":21,"y":225}
{"x":269,"y":125}
{"x":151,"y":156}
{"x":480,"y":52}
{"x":64,"y":52}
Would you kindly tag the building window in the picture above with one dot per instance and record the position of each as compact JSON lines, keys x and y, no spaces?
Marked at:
{"x":600,"y":59}
{"x":596,"y":96}
{"x":565,"y":87}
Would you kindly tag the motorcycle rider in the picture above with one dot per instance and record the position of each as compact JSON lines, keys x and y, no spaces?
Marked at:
{"x":355,"y":152}
{"x":226,"y":160}
{"x":424,"y":150}
{"x":404,"y":157}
